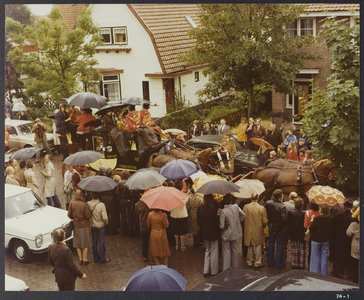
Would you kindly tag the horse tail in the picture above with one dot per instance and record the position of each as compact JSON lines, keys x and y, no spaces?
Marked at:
{"x":151,"y":158}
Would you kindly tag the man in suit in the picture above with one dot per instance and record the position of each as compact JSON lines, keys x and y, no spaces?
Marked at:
{"x":274,"y":136}
{"x":254,"y":238}
{"x":209,"y":222}
{"x":340,"y":243}
{"x":259,"y":132}
{"x":223,"y":128}
{"x":195,"y":129}
{"x":61,"y":259}
{"x":230,"y":218}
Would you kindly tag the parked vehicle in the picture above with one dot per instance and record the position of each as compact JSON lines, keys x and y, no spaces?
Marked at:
{"x":21,"y":135}
{"x":29,"y":223}
{"x":15,"y":284}
{"x":236,"y":279}
{"x":244,"y":161}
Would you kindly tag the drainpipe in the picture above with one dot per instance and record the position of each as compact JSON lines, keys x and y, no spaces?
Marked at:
{"x":180,"y":86}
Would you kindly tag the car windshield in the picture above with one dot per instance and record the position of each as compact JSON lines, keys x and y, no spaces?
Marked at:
{"x":25,"y":128}
{"x":21,"y":204}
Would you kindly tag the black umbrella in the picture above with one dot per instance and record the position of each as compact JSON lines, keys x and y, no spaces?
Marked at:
{"x":87,"y":100}
{"x":97,"y":184}
{"x":8,"y":103}
{"x":221,"y":187}
{"x":109,"y":107}
{"x":82,"y":158}
{"x":134,"y":101}
{"x":25,"y":153}
{"x":283,"y":115}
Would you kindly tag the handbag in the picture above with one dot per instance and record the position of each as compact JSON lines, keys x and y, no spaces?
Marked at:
{"x":307,"y":237}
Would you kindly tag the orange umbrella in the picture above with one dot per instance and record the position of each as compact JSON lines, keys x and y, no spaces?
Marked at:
{"x":165,"y":198}
{"x":262,"y":143}
{"x":325,"y":196}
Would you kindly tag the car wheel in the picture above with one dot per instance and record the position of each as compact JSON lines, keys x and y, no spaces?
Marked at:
{"x":27,"y":146}
{"x":21,"y":251}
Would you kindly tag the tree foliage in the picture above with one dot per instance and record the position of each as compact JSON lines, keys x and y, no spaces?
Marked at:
{"x":332,"y":118}
{"x":63,"y":61}
{"x":13,"y":85}
{"x":247,"y":49}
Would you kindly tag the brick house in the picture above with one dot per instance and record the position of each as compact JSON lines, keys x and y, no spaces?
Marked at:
{"x":310,"y":23}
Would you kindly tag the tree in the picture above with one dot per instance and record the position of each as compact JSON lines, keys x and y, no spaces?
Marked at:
{"x":247,"y":49}
{"x":63,"y":61}
{"x":13,"y":85}
{"x":332,"y":117}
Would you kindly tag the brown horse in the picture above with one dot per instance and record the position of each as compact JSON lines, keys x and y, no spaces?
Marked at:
{"x":157,"y":160}
{"x":292,"y":176}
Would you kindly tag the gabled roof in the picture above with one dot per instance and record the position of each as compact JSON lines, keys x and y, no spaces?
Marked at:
{"x":70,"y":12}
{"x":331,"y":7}
{"x":167,"y":25}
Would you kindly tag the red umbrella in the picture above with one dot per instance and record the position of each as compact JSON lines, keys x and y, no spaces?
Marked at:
{"x":165,"y":198}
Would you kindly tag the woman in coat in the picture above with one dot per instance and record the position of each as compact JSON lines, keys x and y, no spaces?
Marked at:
{"x":30,"y":178}
{"x":70,"y":187}
{"x":320,"y":228}
{"x":241,"y":132}
{"x":61,"y":259}
{"x":194,"y":200}
{"x":209,"y":222}
{"x":80,"y":212}
{"x":49,"y":190}
{"x":296,"y":234}
{"x":157,"y":223}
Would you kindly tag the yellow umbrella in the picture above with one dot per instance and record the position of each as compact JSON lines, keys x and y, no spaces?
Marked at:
{"x":326,"y":196}
{"x":204,"y":179}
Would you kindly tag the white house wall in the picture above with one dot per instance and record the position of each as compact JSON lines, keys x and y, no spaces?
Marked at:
{"x":141,"y":60}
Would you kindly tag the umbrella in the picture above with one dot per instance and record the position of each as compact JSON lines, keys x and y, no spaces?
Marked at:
{"x":326,"y":196}
{"x":82,"y":158}
{"x":87,"y":100}
{"x":25,"y":153}
{"x":249,"y":186}
{"x":156,"y":278}
{"x":97,"y":183}
{"x":262,"y":143}
{"x":283,"y":115}
{"x":197,"y":175}
{"x":8,"y":103}
{"x":109,"y":107}
{"x":134,"y":101}
{"x":145,"y":179}
{"x":19,"y":107}
{"x":221,"y":187}
{"x":199,"y":182}
{"x":175,"y":131}
{"x":178,"y":169}
{"x":163,"y":197}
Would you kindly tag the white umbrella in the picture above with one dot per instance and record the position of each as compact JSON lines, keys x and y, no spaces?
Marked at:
{"x":198,"y":174}
{"x":19,"y":107}
{"x":249,"y":186}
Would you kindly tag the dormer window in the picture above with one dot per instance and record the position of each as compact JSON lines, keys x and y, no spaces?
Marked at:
{"x":114,"y":35}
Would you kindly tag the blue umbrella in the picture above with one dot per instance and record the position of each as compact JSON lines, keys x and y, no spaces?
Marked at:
{"x":178,"y":169}
{"x":156,"y":278}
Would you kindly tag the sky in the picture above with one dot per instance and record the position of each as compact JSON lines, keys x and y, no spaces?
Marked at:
{"x":40,"y":9}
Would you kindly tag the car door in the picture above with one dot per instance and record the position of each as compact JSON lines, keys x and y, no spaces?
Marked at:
{"x":13,"y":137}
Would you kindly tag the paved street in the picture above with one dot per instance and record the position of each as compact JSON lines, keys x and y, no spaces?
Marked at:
{"x":126,"y":259}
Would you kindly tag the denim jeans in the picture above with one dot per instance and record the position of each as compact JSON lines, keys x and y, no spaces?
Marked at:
{"x":319,"y":256}
{"x":53,"y":201}
{"x":98,"y":248}
{"x":274,"y":238}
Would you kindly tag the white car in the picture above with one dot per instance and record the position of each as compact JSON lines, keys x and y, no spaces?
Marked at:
{"x":15,"y":284}
{"x":29,"y":224}
{"x":21,"y":135}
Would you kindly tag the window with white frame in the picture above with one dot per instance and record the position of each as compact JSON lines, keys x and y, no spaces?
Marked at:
{"x":302,"y":26}
{"x":106,"y":34}
{"x":111,"y":87}
{"x":114,"y":35}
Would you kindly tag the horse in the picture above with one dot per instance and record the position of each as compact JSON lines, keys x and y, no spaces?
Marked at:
{"x":292,"y":176}
{"x":200,"y":157}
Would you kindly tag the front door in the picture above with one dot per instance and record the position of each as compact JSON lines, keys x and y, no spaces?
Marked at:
{"x":168,"y":85}
{"x":301,"y":99}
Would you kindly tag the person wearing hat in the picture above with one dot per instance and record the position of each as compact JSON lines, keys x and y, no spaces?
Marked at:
{"x":40,"y":137}
{"x":340,"y":243}
{"x":146,"y":119}
{"x":228,"y":148}
{"x":195,"y":129}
